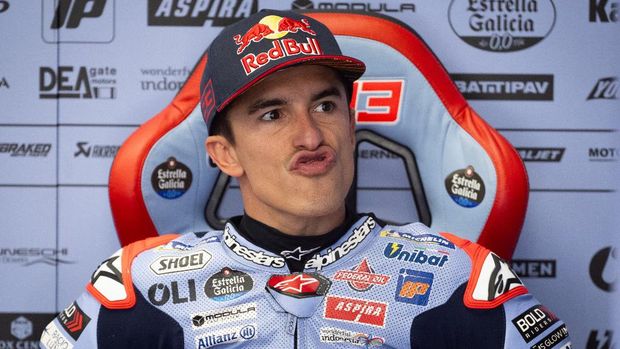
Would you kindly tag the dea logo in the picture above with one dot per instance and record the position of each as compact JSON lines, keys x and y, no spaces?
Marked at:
{"x":502,"y":26}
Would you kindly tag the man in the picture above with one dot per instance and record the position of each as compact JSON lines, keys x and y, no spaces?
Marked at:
{"x":298,"y":270}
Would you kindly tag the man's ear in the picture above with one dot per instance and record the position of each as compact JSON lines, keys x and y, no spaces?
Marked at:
{"x":352,"y":124}
{"x":223,"y":154}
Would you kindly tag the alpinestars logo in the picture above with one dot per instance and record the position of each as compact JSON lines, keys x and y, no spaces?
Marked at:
{"x":359,"y":234}
{"x":605,"y":88}
{"x":194,"y":13}
{"x":496,"y":278}
{"x":256,"y":257}
{"x":77,"y":82}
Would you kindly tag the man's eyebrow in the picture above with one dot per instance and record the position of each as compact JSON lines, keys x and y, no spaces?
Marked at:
{"x":265,"y":103}
{"x":328,"y":92}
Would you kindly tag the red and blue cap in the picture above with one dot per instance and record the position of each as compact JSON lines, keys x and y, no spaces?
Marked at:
{"x":249,"y":50}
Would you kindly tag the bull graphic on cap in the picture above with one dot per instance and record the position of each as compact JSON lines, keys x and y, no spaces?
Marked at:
{"x":265,"y":29}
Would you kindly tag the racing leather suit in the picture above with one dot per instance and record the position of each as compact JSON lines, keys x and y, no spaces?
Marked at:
{"x":376,"y":286}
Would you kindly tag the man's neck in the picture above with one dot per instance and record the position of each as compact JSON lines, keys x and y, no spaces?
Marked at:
{"x":298,"y":225}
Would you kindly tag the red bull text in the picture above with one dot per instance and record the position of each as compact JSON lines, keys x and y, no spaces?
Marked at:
{"x":280,"y":49}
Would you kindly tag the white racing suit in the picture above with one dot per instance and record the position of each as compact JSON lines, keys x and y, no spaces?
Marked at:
{"x":377,"y":287}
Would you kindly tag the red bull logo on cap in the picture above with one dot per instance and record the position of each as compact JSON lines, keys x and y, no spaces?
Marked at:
{"x":271,"y":27}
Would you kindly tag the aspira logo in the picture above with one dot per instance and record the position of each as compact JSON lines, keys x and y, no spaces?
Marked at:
{"x":194,"y":13}
{"x":502,"y":26}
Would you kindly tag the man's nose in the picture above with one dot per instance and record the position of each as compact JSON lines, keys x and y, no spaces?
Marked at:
{"x":307,"y":133}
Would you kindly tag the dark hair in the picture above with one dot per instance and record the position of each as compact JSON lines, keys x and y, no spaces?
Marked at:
{"x":221,"y":123}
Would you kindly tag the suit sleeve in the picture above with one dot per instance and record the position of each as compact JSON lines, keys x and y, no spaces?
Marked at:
{"x":75,"y":326}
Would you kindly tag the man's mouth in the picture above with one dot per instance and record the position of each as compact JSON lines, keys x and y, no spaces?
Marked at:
{"x":313,"y":163}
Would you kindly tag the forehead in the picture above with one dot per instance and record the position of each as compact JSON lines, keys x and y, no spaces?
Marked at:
{"x":294,"y":81}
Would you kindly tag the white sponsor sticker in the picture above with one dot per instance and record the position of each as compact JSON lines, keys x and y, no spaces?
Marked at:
{"x":52,"y":338}
{"x":180,"y":263}
{"x":224,"y":315}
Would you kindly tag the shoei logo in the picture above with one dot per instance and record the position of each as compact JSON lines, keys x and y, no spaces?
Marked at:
{"x":194,"y":13}
{"x":502,"y":26}
{"x":377,"y":101}
{"x":78,"y":21}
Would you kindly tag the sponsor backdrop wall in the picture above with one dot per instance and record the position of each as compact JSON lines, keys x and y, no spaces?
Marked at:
{"x":75,"y":83}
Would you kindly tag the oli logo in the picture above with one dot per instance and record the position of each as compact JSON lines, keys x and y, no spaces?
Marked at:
{"x":502,"y":26}
{"x":78,"y":21}
{"x":377,"y":101}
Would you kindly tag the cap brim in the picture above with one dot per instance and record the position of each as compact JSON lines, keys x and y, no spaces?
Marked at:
{"x":350,"y":68}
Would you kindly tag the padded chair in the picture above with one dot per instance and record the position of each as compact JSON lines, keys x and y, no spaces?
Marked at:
{"x":423,"y":152}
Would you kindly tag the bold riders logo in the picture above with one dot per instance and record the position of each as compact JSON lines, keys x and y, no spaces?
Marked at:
{"x":502,"y":26}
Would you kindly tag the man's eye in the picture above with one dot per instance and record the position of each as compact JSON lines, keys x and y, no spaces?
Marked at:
{"x":270,"y":115}
{"x":325,"y":107}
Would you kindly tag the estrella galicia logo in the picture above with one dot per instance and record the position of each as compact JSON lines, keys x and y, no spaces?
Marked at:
{"x":171,"y":179}
{"x":77,"y":82}
{"x":77,"y":21}
{"x":465,"y":187}
{"x":603,"y":11}
{"x":194,"y":13}
{"x":602,"y":266}
{"x":228,"y":284}
{"x":605,"y":88}
{"x":502,"y":26}
{"x":414,"y":286}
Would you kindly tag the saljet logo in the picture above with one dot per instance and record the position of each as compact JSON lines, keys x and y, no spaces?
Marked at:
{"x":502,"y":26}
{"x":95,"y":151}
{"x":4,"y":83}
{"x":77,"y":82}
{"x":382,"y":7}
{"x":603,"y":11}
{"x":26,"y":149}
{"x":510,"y":87}
{"x":535,"y":154}
{"x":78,"y":21}
{"x":534,"y":268}
{"x":603,"y":154}
{"x":4,"y":6}
{"x":194,"y":13}
{"x":600,"y":340}
{"x":605,"y":88}
{"x":602,"y":267}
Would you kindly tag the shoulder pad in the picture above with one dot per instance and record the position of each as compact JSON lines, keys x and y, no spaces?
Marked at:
{"x":491,"y":281}
{"x":111,"y":283}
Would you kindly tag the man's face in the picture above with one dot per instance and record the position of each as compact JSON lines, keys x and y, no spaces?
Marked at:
{"x":294,"y":144}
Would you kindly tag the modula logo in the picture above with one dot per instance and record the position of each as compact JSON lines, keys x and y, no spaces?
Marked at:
{"x":502,"y":26}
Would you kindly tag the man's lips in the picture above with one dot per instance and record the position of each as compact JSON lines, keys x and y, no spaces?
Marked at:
{"x":313,"y":163}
